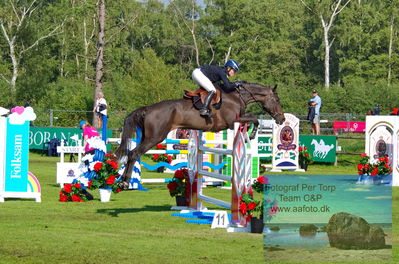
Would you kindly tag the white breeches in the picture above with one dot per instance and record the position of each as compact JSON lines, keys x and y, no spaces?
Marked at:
{"x":203,"y":81}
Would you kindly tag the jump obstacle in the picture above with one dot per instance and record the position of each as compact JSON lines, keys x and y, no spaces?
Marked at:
{"x":240,"y":180}
{"x":69,"y":171}
{"x":245,"y":156}
{"x":211,"y":162}
{"x":15,"y":179}
{"x":382,"y":139}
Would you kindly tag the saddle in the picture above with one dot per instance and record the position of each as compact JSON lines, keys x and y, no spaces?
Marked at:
{"x":198,"y":98}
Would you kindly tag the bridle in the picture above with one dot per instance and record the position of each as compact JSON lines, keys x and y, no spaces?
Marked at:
{"x":253,"y":97}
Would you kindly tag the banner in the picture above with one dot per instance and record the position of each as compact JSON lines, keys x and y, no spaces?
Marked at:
{"x":16,"y":164}
{"x":349,"y":126}
{"x":40,"y":135}
{"x":264,"y":151}
{"x":322,"y":148}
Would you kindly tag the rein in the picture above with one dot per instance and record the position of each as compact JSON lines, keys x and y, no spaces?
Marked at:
{"x":253,"y":97}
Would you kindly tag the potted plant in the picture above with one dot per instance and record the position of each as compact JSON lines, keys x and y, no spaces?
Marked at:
{"x":161,"y":157}
{"x":252,"y":209}
{"x":372,"y":172}
{"x":73,"y":192}
{"x":106,"y":178}
{"x":258,"y":212}
{"x":304,"y":157}
{"x":177,"y":186}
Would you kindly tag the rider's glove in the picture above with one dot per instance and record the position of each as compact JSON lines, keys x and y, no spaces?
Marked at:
{"x":239,"y":83}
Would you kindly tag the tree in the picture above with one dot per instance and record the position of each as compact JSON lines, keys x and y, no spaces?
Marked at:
{"x":192,"y":16}
{"x":14,"y":24}
{"x":100,"y":53}
{"x":327,"y":13}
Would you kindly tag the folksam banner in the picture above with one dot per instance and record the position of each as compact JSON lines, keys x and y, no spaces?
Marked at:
{"x":15,"y":179}
{"x":16,"y":166}
{"x":322,"y":148}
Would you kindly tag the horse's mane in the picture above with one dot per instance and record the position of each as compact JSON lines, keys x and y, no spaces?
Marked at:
{"x":256,"y":85}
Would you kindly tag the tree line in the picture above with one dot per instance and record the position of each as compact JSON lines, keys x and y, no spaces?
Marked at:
{"x":51,"y":51}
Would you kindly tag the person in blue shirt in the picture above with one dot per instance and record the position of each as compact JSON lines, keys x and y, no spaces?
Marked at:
{"x":206,"y":75}
{"x":315,"y":102}
{"x":377,"y":109}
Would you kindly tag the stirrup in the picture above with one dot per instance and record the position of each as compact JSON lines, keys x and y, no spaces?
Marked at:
{"x":205,"y":112}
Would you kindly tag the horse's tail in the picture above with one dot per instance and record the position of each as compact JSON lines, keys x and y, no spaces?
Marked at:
{"x":134,"y":119}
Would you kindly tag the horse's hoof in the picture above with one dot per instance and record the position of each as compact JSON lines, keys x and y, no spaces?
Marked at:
{"x":123,"y":185}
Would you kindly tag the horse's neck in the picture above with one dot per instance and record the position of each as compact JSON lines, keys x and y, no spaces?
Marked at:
{"x":233,"y":97}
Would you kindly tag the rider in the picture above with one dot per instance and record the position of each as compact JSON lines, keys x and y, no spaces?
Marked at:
{"x":206,"y":75}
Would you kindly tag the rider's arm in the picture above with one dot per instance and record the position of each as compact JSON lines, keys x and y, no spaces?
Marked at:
{"x":227,"y":85}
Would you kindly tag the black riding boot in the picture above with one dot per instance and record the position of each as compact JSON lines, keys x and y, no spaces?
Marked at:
{"x":205,"y":110}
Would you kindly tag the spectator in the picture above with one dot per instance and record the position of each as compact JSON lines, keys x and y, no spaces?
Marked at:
{"x":395,"y":111}
{"x":377,"y":109}
{"x":88,"y":132}
{"x":100,"y":109}
{"x":315,"y":102}
{"x":369,"y":112}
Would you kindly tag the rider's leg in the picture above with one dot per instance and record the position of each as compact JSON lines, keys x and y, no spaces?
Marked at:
{"x":205,"y":83}
{"x":205,"y":111}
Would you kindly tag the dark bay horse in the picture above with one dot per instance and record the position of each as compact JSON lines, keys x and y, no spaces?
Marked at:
{"x":158,"y":119}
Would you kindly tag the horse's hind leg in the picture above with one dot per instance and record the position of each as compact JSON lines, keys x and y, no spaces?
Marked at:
{"x":133,"y":156}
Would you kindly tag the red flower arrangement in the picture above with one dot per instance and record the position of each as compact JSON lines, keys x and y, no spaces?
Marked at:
{"x":177,"y":186}
{"x":260,"y":183}
{"x":381,"y":167}
{"x":107,"y":174}
{"x":250,"y":207}
{"x":304,"y":156}
{"x":162,"y":157}
{"x":73,"y":192}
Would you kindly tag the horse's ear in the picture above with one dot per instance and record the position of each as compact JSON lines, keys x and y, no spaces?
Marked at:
{"x":274,"y":88}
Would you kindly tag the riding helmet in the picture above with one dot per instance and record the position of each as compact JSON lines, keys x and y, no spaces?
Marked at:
{"x":233,"y":64}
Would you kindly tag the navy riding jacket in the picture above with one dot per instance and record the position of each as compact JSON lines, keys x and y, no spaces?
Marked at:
{"x":216,"y":74}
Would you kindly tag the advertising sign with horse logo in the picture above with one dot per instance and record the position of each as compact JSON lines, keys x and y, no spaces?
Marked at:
{"x":321,"y":148}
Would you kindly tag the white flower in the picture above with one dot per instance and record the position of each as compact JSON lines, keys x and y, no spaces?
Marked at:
{"x":97,"y":143}
{"x":91,"y":165}
{"x":88,"y":157}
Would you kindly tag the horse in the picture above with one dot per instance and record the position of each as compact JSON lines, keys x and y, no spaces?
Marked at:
{"x":155,"y":121}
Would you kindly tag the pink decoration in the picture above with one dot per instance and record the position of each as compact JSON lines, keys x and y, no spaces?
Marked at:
{"x":19,"y":110}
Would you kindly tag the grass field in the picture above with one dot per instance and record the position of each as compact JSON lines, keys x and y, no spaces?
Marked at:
{"x":135,"y":227}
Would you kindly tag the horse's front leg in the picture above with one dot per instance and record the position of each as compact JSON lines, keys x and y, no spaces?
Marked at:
{"x":250,"y":118}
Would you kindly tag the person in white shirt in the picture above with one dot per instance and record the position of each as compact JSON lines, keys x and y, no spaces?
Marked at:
{"x":100,"y":109}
